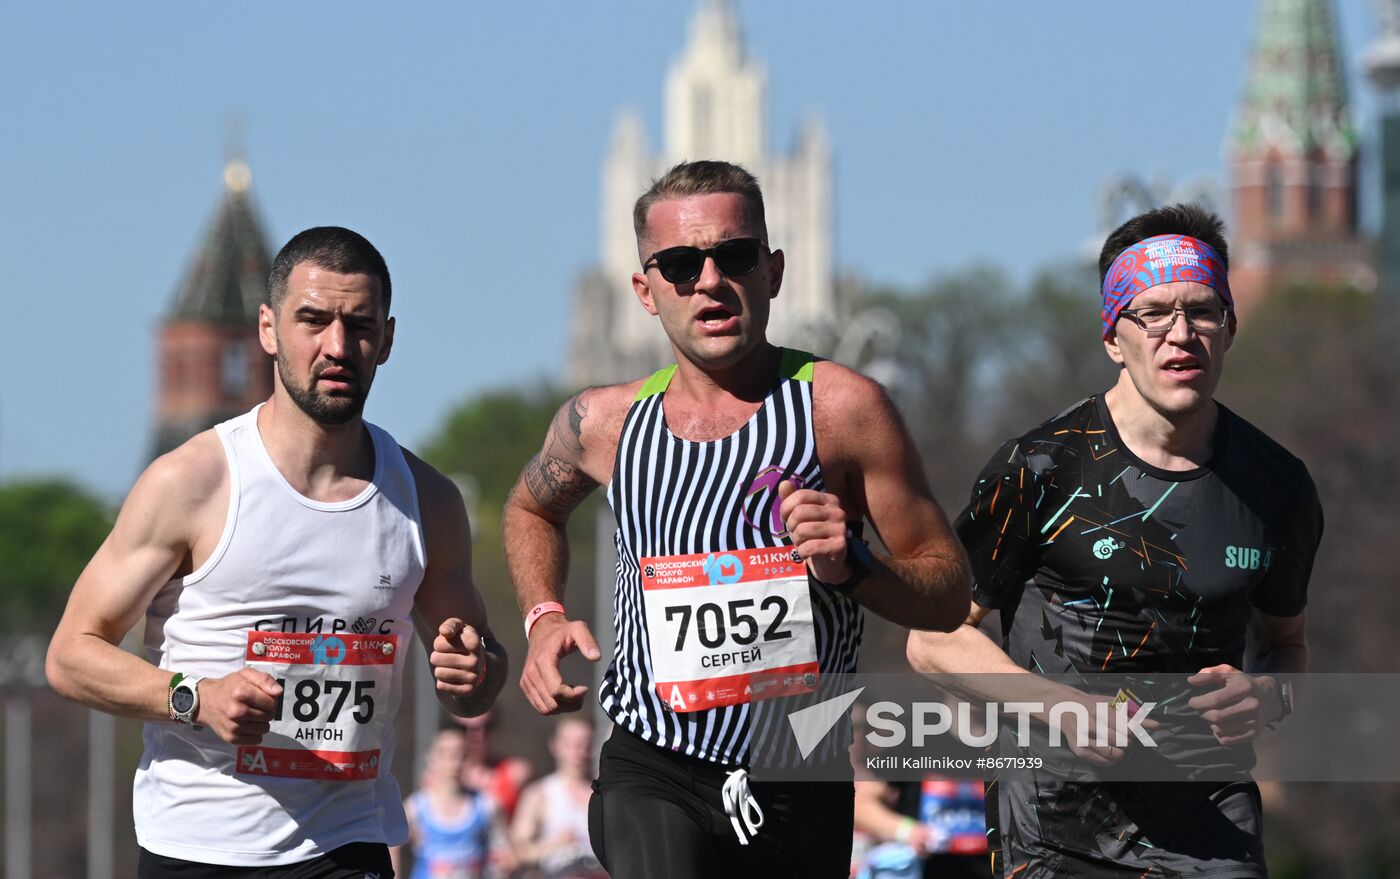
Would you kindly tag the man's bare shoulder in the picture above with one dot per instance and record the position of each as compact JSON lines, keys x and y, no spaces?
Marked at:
{"x":178,"y":491}
{"x":596,"y":413}
{"x":578,"y":450}
{"x":190,"y":474}
{"x":847,"y":401}
{"x":437,"y":493}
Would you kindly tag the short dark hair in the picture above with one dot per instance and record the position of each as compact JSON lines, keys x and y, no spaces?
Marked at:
{"x":699,"y":178}
{"x":333,"y":248}
{"x":1172,"y":219}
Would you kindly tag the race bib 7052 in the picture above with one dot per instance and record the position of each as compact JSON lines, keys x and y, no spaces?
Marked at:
{"x":720,"y":624}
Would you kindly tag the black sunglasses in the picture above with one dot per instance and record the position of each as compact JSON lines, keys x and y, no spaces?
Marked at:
{"x":682,"y":265}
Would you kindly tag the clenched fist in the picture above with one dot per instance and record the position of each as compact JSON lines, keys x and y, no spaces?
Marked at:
{"x":458,"y":659}
{"x":817,"y":525}
{"x":239,"y":707}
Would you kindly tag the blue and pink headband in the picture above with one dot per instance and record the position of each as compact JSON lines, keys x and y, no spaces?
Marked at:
{"x":1160,"y":260}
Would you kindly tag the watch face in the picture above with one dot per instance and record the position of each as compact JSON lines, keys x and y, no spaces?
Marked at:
{"x":182,"y":700}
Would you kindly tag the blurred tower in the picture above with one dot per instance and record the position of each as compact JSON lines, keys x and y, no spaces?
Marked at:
{"x":211,"y":364}
{"x":1293,"y":158}
{"x":716,"y":108}
{"x":1383,"y":68}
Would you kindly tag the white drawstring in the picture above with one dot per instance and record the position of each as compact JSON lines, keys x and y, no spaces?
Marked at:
{"x":739,"y":803}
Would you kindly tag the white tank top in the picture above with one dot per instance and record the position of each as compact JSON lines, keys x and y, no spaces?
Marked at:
{"x":564,"y":817}
{"x":308,"y":591}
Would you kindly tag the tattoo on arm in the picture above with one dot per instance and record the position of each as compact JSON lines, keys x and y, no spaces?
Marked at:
{"x":577,"y":409}
{"x":557,"y":484}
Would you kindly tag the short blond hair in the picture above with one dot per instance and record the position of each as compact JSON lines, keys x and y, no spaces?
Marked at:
{"x":700,"y":178}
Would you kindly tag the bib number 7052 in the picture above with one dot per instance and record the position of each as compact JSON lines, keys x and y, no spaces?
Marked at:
{"x":713,"y":625}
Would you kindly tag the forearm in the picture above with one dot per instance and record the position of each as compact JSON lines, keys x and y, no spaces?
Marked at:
{"x":537,"y":556}
{"x":101,"y":675}
{"x":1276,"y":647}
{"x":527,"y":851}
{"x":929,"y":592}
{"x":1278,"y":659}
{"x":969,"y":663}
{"x":872,"y":816}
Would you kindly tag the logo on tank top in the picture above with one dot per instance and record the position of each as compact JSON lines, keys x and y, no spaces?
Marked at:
{"x":315,"y":625}
{"x":768,"y":480}
{"x":1106,"y":547}
{"x":1247,"y":558}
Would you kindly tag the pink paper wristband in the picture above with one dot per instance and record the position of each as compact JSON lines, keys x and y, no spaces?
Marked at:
{"x":538,"y":611}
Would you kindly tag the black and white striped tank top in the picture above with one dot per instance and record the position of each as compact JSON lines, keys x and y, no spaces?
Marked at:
{"x":699,"y":514}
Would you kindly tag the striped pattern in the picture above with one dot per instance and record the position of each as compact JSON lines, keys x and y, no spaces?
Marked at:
{"x":674,"y":497}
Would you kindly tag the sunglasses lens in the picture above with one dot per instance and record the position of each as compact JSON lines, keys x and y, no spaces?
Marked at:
{"x":734,"y":258}
{"x":680,"y":265}
{"x":737,"y":257}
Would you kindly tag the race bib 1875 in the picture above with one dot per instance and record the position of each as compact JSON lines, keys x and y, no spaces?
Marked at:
{"x":722,"y":624}
{"x":330,"y":722}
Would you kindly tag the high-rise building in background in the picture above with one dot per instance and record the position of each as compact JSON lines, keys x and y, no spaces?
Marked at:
{"x":1383,"y":68}
{"x":1292,"y":153}
{"x":211,"y":366}
{"x":715,"y":108}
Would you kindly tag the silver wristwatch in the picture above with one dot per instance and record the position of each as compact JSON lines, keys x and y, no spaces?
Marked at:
{"x":183,"y":699}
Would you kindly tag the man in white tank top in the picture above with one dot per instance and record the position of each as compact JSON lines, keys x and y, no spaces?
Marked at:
{"x":278,"y":560}
{"x":550,"y":830}
{"x":746,"y":480}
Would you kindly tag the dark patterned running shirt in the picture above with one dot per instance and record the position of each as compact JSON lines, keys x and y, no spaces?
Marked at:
{"x":1102,"y":563}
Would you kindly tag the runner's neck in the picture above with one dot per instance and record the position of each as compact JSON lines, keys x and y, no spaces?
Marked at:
{"x":748,"y":380}
{"x":1183,"y":443}
{"x":326,"y":463}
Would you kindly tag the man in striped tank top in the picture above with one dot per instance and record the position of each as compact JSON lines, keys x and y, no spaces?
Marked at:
{"x":282,"y":560}
{"x":736,"y":476}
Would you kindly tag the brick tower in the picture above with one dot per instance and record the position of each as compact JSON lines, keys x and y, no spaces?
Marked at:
{"x":1293,"y":159}
{"x":211,"y":365}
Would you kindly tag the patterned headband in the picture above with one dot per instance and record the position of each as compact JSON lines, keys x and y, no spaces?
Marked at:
{"x":1160,"y":260}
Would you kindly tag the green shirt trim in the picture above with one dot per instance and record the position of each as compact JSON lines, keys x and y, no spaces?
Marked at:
{"x":795,"y":365}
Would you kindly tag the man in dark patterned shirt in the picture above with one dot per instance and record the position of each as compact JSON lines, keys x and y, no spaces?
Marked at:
{"x":1144,"y":530}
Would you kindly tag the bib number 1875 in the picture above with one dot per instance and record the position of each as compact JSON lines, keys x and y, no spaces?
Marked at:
{"x":310,"y":697}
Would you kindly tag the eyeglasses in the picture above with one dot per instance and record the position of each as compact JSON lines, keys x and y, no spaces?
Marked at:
{"x":1158,"y":320}
{"x":682,"y":265}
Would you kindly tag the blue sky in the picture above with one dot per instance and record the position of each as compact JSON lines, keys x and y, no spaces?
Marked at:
{"x":465,"y":140}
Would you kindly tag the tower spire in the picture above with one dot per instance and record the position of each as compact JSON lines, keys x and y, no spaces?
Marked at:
{"x":212,"y":366}
{"x":1295,"y":100}
{"x":1293,"y":153}
{"x":716,"y":97}
{"x":237,"y":175}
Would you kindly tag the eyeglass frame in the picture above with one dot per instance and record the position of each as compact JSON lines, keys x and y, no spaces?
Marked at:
{"x":707,"y":253}
{"x":1131,"y":314}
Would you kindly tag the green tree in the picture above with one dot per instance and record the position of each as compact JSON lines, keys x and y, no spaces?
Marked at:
{"x":485,"y":442}
{"x":1314,"y":367}
{"x":490,"y":437}
{"x":1055,"y":350}
{"x":48,"y":531}
{"x":952,"y":342}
